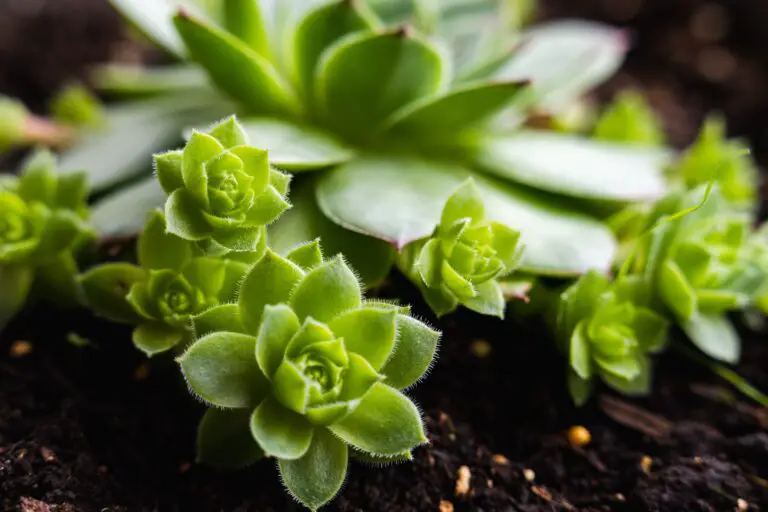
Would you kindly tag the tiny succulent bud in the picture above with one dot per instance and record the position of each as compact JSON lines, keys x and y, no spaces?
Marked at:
{"x":13,"y":116}
{"x":43,"y":222}
{"x":606,"y":330}
{"x":222,"y":192}
{"x":304,"y":369}
{"x":726,"y":162}
{"x":77,"y":106}
{"x":464,"y":259}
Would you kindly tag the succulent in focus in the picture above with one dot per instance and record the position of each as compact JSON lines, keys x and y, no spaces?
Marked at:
{"x":303,"y":369}
{"x":465,"y":258}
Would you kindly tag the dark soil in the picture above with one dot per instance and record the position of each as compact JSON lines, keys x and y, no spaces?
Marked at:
{"x":97,"y":428}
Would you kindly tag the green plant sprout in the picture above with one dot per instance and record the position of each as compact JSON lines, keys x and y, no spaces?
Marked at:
{"x":222,"y":192}
{"x":464,"y":260}
{"x":389,"y":142}
{"x":608,"y":329}
{"x":304,"y":369}
{"x":43,"y":224}
{"x":173,"y":282}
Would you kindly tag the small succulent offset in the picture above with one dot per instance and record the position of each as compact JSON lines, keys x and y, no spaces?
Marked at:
{"x":222,"y":192}
{"x":607,"y":330}
{"x":173,"y":282}
{"x":43,"y":223}
{"x":304,"y":369}
{"x":631,"y":120}
{"x":461,"y":264}
{"x":704,"y":265}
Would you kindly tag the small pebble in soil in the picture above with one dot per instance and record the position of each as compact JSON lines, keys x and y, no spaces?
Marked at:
{"x":481,"y":348}
{"x":20,"y":349}
{"x":645,"y":464}
{"x":529,"y":475}
{"x":47,"y":454}
{"x":446,"y":506}
{"x":742,"y":505}
{"x":462,"y":481}
{"x":500,"y":460}
{"x":579,"y":436}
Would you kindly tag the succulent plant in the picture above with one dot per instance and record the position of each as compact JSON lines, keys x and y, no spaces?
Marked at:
{"x":43,"y":223}
{"x":464,"y":260}
{"x":608,"y":330}
{"x":20,"y":128}
{"x":390,"y":141}
{"x":631,"y":120}
{"x":303,"y":369}
{"x":173,"y":282}
{"x":222,"y":192}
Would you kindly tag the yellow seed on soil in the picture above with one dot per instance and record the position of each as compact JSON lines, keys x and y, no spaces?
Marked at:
{"x":462,"y":482}
{"x":445,"y":506}
{"x":645,"y":464}
{"x":742,"y":505}
{"x":481,"y":348}
{"x":21,"y":349}
{"x":529,"y":475}
{"x":619,"y":497}
{"x":579,"y":436}
{"x":500,"y":460}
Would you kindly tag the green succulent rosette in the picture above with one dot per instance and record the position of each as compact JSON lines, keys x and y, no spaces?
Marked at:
{"x":222,"y":192}
{"x":607,"y":330}
{"x":43,"y":224}
{"x":461,"y":264}
{"x":304,"y":370}
{"x":173,"y":282}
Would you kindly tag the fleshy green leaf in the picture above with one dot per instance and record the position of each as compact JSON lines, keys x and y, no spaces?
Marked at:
{"x":225,"y":317}
{"x":579,"y":389}
{"x":573,"y":166}
{"x":370,"y":332}
{"x":650,"y":329}
{"x":580,"y":356}
{"x":16,"y":282}
{"x":416,"y":348}
{"x":638,"y":385}
{"x":318,"y":476}
{"x":244,"y":18}
{"x":326,"y":291}
{"x":168,"y":170}
{"x":105,"y":288}
{"x":565,"y":59}
{"x":439,"y":119}
{"x":715,"y":336}
{"x":156,"y":338}
{"x":158,"y":249}
{"x":221,"y":369}
{"x":385,"y":423}
{"x":387,"y":198}
{"x":307,"y":255}
{"x":356,"y":98}
{"x":270,"y":281}
{"x":256,"y":84}
{"x":224,"y":439}
{"x":489,"y":299}
{"x":625,"y":368}
{"x":294,"y":147}
{"x":675,"y":290}
{"x":281,"y":433}
{"x":278,"y":326}
{"x":184,"y":218}
{"x":370,"y":257}
{"x":319,"y":29}
{"x":37,"y":181}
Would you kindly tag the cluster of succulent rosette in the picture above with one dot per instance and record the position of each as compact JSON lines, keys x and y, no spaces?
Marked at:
{"x":425,"y":160}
